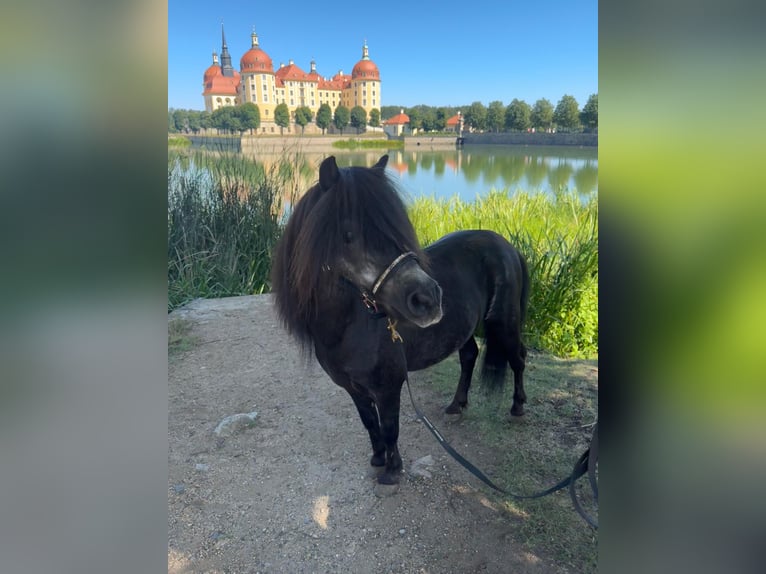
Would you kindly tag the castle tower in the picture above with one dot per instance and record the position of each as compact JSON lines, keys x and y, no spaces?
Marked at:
{"x":365,"y":84}
{"x":258,"y":81}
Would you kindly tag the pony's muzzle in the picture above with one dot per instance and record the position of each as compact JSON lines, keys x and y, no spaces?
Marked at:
{"x":425,"y":305}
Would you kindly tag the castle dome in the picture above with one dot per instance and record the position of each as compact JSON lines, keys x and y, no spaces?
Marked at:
{"x":255,"y":60}
{"x":365,"y":69}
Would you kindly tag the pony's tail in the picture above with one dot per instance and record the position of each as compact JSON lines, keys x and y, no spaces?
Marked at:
{"x":495,"y":363}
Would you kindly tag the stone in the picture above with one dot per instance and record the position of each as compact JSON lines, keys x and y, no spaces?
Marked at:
{"x":235,"y":423}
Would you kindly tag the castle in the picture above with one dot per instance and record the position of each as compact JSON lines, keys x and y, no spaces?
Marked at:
{"x":257,"y":82}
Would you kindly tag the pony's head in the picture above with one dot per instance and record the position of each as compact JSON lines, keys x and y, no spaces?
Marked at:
{"x":353,"y":227}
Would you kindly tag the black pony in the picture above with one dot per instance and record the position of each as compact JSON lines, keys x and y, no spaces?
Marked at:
{"x":351,"y":281}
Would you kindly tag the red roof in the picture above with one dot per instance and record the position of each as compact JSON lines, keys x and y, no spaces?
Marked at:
{"x":398,"y":119}
{"x":292,"y":73}
{"x":222,"y":85}
{"x":365,"y":69}
{"x":454,"y":120}
{"x":256,"y":60}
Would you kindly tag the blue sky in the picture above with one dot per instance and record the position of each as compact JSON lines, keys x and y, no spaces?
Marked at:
{"x":435,"y":53}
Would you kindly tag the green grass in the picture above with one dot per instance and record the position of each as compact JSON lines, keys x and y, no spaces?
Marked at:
{"x":178,"y":141}
{"x":368,"y":144}
{"x":537,"y":450}
{"x":558,"y":236}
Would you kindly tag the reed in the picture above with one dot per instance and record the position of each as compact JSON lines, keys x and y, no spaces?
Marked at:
{"x":224,"y":219}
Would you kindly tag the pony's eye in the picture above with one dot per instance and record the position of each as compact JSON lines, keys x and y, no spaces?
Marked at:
{"x":348,"y":237}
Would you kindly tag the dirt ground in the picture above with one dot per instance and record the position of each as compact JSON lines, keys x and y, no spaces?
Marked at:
{"x":294,"y":492}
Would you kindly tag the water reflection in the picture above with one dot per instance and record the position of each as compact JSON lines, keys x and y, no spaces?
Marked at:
{"x":474,"y":170}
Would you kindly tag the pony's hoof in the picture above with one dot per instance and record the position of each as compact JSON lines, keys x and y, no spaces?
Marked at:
{"x":452,"y":418}
{"x":453,"y":409}
{"x":517,"y":411}
{"x":384,"y":490}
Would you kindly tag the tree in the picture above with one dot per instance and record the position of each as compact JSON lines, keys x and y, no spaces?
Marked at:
{"x":181,"y":120}
{"x":518,"y":116}
{"x":282,"y":117}
{"x":476,"y":116}
{"x":224,"y":119}
{"x":496,"y":116}
{"x":442,"y":115}
{"x":324,"y":117}
{"x":589,"y":114}
{"x":358,"y":118}
{"x":428,"y":119}
{"x":342,"y":117}
{"x":416,"y":119}
{"x":567,"y":113}
{"x":171,"y":121}
{"x":374,"y":118}
{"x":303,"y":116}
{"x":194,"y":121}
{"x":205,"y":120}
{"x":542,"y":114}
{"x":250,"y":116}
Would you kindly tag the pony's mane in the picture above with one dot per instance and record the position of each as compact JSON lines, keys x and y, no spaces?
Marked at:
{"x":303,"y":274}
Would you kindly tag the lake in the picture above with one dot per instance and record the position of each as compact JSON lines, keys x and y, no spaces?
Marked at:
{"x":473,"y":170}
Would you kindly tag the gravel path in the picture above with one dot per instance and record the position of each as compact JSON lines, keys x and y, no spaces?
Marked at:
{"x":293,"y":491}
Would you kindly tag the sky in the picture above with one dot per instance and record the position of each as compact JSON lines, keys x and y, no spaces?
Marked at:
{"x":434,"y":53}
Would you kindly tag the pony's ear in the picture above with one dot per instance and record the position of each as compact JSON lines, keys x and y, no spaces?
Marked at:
{"x":328,"y":173}
{"x":381,"y":162}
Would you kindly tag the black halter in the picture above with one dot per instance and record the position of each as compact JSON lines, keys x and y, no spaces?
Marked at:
{"x":368,"y":297}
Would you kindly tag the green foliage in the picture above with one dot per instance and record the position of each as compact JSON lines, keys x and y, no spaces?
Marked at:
{"x":496,"y":116}
{"x":542,"y":114}
{"x":358,"y":118}
{"x":476,"y":116}
{"x":282,"y":117}
{"x":250,"y":116}
{"x":518,"y":116}
{"x":224,"y":216}
{"x":303,"y":116}
{"x":566,"y":115}
{"x":324,"y":117}
{"x":589,"y":114}
{"x":342,"y":117}
{"x":374,"y":118}
{"x":179,"y":141}
{"x":368,"y":144}
{"x":558,"y":236}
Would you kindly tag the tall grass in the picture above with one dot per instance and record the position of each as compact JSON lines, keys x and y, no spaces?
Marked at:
{"x":224,"y":219}
{"x":558,"y":236}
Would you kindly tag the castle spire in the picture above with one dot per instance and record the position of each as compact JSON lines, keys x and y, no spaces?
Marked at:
{"x":254,"y":38}
{"x":226,"y":66}
{"x":365,"y":51}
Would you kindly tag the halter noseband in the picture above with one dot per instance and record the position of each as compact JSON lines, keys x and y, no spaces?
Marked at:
{"x":390,"y":269}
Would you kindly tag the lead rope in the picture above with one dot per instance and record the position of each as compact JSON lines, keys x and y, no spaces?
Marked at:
{"x":586,"y":463}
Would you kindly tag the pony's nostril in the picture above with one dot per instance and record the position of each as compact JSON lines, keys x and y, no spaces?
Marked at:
{"x":419,"y":302}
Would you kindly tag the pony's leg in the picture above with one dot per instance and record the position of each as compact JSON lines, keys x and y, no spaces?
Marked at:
{"x":369,"y":415}
{"x":388,"y":408}
{"x":518,"y":361}
{"x":468,"y":355}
